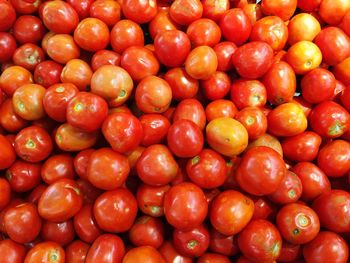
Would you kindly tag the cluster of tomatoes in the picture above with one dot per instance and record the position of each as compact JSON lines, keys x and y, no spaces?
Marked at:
{"x":144,"y":131}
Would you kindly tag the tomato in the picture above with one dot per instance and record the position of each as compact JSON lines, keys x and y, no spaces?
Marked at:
{"x":332,"y":208}
{"x":45,"y":251}
{"x":11,"y":251}
{"x":172,"y":47}
{"x":8,"y":154}
{"x":89,"y":192}
{"x":250,"y":245}
{"x":115,"y":211}
{"x":59,"y":17}
{"x":161,"y":22}
{"x":245,"y":93}
{"x":329,"y":119}
{"x":33,"y":144}
{"x":22,"y":223}
{"x":82,"y":7}
{"x":341,"y":71}
{"x":272,"y":30}
{"x":92,"y":34}
{"x":217,"y":86}
{"x":254,"y":120}
{"x":214,"y":9}
{"x":13,"y":78}
{"x":204,"y":32}
{"x":150,"y":199}
{"x":8,"y":16}
{"x":224,"y":51}
{"x":268,"y":141}
{"x":9,"y":120}
{"x":107,"y":11}
{"x":184,"y":12}
{"x":230,"y":212}
{"x":47,"y":73}
{"x":123,"y":131}
{"x":345,"y":24}
{"x":263,"y":208}
{"x":35,"y":194}
{"x":332,"y":12}
{"x":289,"y":252}
{"x":298,"y":223}
{"x":213,"y":258}
{"x":140,"y":11}
{"x":304,"y":56}
{"x":185,"y":206}
{"x":62,"y":233}
{"x":222,"y":244}
{"x":76,"y":252}
{"x":235,"y":26}
{"x":147,"y":231}
{"x":289,"y":191}
{"x":344,"y":99}
{"x":145,"y":254}
{"x":252,"y":60}
{"x":8,"y":46}
{"x":220,"y":108}
{"x":62,"y":48}
{"x":283,"y":9}
{"x":331,"y":38}
{"x":201,"y":62}
{"x":57,"y":167}
{"x":60,"y":201}
{"x":77,"y":72}
{"x":126,"y":33}
{"x":171,"y":255}
{"x":28,"y":29}
{"x":253,"y":11}
{"x":227,"y":136}
{"x":5,"y":196}
{"x":190,"y":109}
{"x":260,"y":171}
{"x":334,"y":158}
{"x":155,"y":128}
{"x":183,"y":86}
{"x":313,"y":179}
{"x":193,"y":242}
{"x":105,"y":57}
{"x":287,"y":119}
{"x":301,"y":27}
{"x":326,"y":245}
{"x":23,"y":176}
{"x":309,"y":5}
{"x":106,"y":248}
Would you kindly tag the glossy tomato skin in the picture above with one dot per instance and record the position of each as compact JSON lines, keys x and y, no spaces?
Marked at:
{"x":140,"y":11}
{"x":334,"y":158}
{"x":224,"y":51}
{"x":326,"y":245}
{"x":105,"y":57}
{"x":77,"y":72}
{"x":22,"y":223}
{"x":245,"y":93}
{"x":82,"y":7}
{"x":56,"y":167}
{"x":204,"y":31}
{"x":224,"y":215}
{"x":8,"y":154}
{"x":150,"y":199}
{"x":303,"y":147}
{"x":283,"y":9}
{"x":45,"y":250}
{"x":309,"y":6}
{"x":28,"y":29}
{"x":303,"y":26}
{"x":8,"y":46}
{"x":332,"y":12}
{"x":115,"y":211}
{"x":313,"y":179}
{"x":190,"y":109}
{"x":8,"y":17}
{"x":193,"y":242}
{"x":106,"y":248}
{"x":14,"y":77}
{"x":248,"y":241}
{"x":143,"y":254}
{"x":252,"y":60}
{"x":184,"y":12}
{"x":185,"y":206}
{"x":64,"y":192}
{"x":223,"y":244}
{"x":289,"y":191}
{"x":107,"y":11}
{"x":123,"y":131}
{"x":62,"y":233}
{"x":81,"y":161}
{"x":235,"y":26}
{"x":147,"y":231}
{"x":12,"y":251}
{"x":76,"y":252}
{"x":341,"y":71}
{"x":329,"y":119}
{"x":33,"y":144}
{"x":23,"y":176}
{"x":9,"y":120}
{"x":172,"y":47}
{"x":155,"y":128}
{"x":179,"y":140}
{"x":332,"y":207}
{"x":47,"y":73}
{"x":254,"y":120}
{"x":260,"y":171}
{"x":213,"y":258}
{"x":5,"y":196}
{"x":217,"y":86}
{"x":298,"y":223}
{"x":171,"y":255}
{"x":161,"y":22}
{"x":62,"y":48}
{"x":220,"y":108}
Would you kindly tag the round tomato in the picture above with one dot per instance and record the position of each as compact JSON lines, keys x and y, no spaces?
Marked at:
{"x":11,"y":251}
{"x":62,"y":233}
{"x":76,"y":251}
{"x":8,"y":154}
{"x":184,"y":12}
{"x":56,"y":167}
{"x":44,"y":251}
{"x":143,"y":254}
{"x":147,"y":231}
{"x":289,"y":191}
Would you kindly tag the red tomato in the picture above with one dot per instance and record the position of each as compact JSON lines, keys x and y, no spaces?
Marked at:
{"x":217,"y":86}
{"x":213,"y":258}
{"x":215,"y":9}
{"x":230,"y":212}
{"x":28,"y":56}
{"x":107,"y":11}
{"x":57,"y":167}
{"x":105,"y":57}
{"x":45,"y":250}
{"x":326,"y":245}
{"x":252,"y":60}
{"x":60,"y":201}
{"x":139,"y":11}
{"x":302,"y":147}
{"x":161,"y":22}
{"x":9,"y":120}
{"x":147,"y":231}
{"x":344,"y":98}
{"x":5,"y":196}
{"x":13,"y":78}
{"x":7,"y":46}
{"x":28,"y":29}
{"x":185,"y":206}
{"x":246,"y":93}
{"x":222,"y":244}
{"x":8,"y":154}
{"x":115,"y":211}
{"x":193,"y":242}
{"x":235,"y":26}
{"x":77,"y":72}
{"x":332,"y":12}
{"x":309,"y":5}
{"x":47,"y":73}
{"x":184,"y":12}
{"x":11,"y":251}
{"x":254,"y":120}
{"x":303,"y":26}
{"x":106,"y":248}
{"x":263,"y":208}
{"x":62,"y":48}
{"x":313,"y":180}
{"x":143,"y":254}
{"x":155,"y":128}
{"x":341,"y":71}
{"x":76,"y":252}
{"x":171,"y":255}
{"x":190,"y":109}
{"x":8,"y":16}
{"x":283,"y":9}
{"x":220,"y":108}
{"x":62,"y":233}
{"x":204,"y":32}
{"x":253,"y":249}
{"x":82,"y":7}
{"x":150,"y":199}
{"x":224,"y":51}
{"x":329,"y":119}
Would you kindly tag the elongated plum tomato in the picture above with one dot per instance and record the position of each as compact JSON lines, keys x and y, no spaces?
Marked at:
{"x":227,"y":136}
{"x":260,"y":171}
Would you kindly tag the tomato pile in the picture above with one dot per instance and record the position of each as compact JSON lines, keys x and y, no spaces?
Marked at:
{"x":144,"y":131}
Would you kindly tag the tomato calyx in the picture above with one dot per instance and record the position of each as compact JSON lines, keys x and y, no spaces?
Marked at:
{"x":195,"y":160}
{"x":192,"y":244}
{"x":8,"y":175}
{"x":53,"y":256}
{"x":336,"y":129}
{"x":30,"y":144}
{"x":76,"y":190}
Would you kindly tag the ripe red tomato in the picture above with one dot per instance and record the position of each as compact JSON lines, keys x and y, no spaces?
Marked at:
{"x":252,"y":60}
{"x":28,"y":29}
{"x":105,"y":57}
{"x":155,"y":128}
{"x":47,"y":73}
{"x":220,"y":108}
{"x":107,"y":11}
{"x":8,"y":16}
{"x":147,"y":231}
{"x":289,"y":191}
{"x":170,"y":254}
{"x":213,"y":258}
{"x":12,"y":252}
{"x":223,"y":244}
{"x":254,"y":120}
{"x":332,"y":12}
{"x":184,"y":12}
{"x":250,"y":245}
{"x":150,"y":199}
{"x":260,"y":171}
{"x":8,"y":154}
{"x":57,"y":167}
{"x":283,"y":9}
{"x":204,"y":32}
{"x":13,"y":78}
{"x":76,"y":252}
{"x":8,"y":46}
{"x":185,"y":206}
{"x":9,"y":120}
{"x":45,"y":250}
{"x":62,"y":233}
{"x":245,"y":93}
